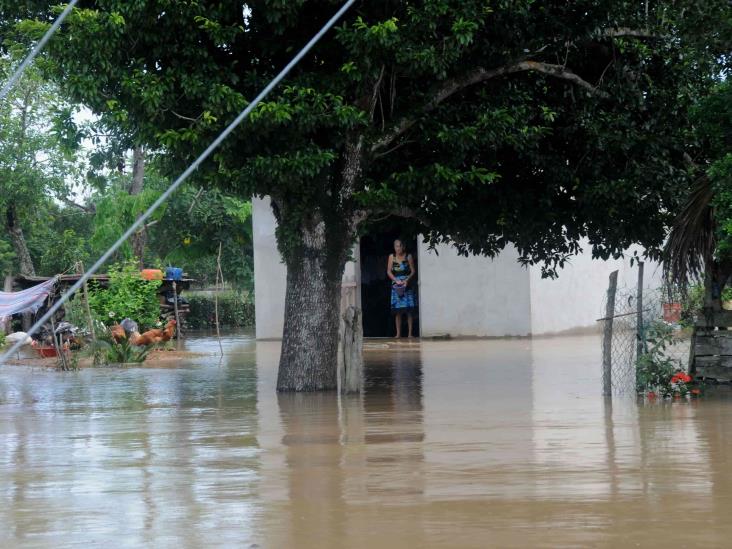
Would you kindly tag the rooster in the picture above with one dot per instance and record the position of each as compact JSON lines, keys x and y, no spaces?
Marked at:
{"x":154,"y":336}
{"x":123,"y":330}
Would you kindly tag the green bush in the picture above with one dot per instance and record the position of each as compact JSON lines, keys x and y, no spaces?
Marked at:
{"x":128,"y":296}
{"x":2,"y":339}
{"x":235,"y":311}
{"x":656,"y":373}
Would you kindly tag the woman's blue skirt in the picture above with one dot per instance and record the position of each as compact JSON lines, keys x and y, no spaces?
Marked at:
{"x":406,"y":303}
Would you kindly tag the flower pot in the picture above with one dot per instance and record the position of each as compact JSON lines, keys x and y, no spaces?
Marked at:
{"x":46,"y":352}
{"x":727,"y":305}
{"x":672,"y":312}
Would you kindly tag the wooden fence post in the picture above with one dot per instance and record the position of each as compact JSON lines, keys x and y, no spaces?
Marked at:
{"x":8,"y":287}
{"x":607,"y":340}
{"x":640,"y":344}
{"x":89,"y":318}
{"x":350,"y":362}
{"x":178,"y":331}
{"x":219,"y":275}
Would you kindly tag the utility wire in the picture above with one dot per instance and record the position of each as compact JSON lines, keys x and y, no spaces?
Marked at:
{"x":177,"y":183}
{"x":32,"y":55}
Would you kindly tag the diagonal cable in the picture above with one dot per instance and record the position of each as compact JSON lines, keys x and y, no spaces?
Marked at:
{"x":177,"y":183}
{"x":32,"y":55}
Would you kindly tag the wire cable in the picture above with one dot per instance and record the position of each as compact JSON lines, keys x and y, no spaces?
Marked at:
{"x":32,"y":55}
{"x":177,"y":183}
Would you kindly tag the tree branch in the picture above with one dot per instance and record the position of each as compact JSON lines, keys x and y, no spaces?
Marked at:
{"x":619,"y":32}
{"x":401,"y":211}
{"x":88,"y":209}
{"x":478,"y":76}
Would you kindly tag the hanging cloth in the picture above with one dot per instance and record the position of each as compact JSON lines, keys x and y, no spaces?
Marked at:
{"x":29,"y":300}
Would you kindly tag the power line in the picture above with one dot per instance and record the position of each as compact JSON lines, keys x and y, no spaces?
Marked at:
{"x":177,"y":183}
{"x":32,"y":55}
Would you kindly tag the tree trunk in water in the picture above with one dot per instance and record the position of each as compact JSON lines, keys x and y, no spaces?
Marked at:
{"x":312,"y":316}
{"x":138,"y":240}
{"x":25,"y":263}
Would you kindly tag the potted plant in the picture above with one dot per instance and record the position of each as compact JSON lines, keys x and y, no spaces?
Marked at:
{"x":673,"y":308}
{"x":726,"y":299}
{"x":657,"y":375}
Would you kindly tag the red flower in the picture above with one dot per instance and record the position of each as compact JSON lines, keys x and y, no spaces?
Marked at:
{"x":651,"y":395}
{"x":695,"y":392}
{"x":681,"y":377}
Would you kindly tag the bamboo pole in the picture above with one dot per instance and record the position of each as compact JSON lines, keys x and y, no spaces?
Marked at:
{"x":177,"y":317}
{"x":640,"y":343}
{"x":607,"y":341}
{"x":58,"y":347}
{"x":220,"y":274}
{"x":89,"y":319}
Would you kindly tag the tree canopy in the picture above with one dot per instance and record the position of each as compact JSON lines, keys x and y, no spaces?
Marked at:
{"x":525,"y":122}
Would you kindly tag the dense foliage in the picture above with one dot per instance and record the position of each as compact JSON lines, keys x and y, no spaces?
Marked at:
{"x":127,"y":296}
{"x":490,"y":122}
{"x":37,"y":163}
{"x":236,"y":310}
{"x":714,"y":124}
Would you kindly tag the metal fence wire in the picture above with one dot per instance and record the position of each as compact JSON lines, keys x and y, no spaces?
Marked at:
{"x":625,"y":335}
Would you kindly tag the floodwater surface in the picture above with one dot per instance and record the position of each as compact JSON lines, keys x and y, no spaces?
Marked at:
{"x":501,"y":443}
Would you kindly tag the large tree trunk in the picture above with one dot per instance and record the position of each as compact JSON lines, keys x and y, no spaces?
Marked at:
{"x":25,"y":263}
{"x":312,"y":313}
{"x":315,"y":263}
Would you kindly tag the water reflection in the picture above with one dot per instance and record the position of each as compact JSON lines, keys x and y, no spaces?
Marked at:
{"x":453,"y":444}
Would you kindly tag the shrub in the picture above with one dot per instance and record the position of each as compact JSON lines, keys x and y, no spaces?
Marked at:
{"x":128,"y":296}
{"x":656,"y":373}
{"x":235,"y":311}
{"x":106,"y":351}
{"x":2,"y":339}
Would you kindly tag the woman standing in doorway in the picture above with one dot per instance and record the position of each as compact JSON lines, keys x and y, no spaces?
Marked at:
{"x":400,"y":270}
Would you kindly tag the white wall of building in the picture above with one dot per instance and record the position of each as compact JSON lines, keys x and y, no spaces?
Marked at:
{"x":462,"y":296}
{"x":270,"y":274}
{"x":574,"y":301}
{"x":473,"y":296}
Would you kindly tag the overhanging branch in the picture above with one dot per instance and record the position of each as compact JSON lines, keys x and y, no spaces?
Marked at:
{"x":88,"y":209}
{"x":621,"y":32}
{"x":478,"y":76}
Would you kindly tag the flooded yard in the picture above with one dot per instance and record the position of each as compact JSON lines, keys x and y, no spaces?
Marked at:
{"x":502,"y":443}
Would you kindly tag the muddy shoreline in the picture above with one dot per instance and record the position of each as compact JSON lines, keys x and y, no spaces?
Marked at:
{"x":159,"y":358}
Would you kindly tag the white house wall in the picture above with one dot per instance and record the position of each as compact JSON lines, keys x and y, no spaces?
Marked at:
{"x":461,"y":296}
{"x":574,"y":301}
{"x":473,"y":296}
{"x":270,"y":274}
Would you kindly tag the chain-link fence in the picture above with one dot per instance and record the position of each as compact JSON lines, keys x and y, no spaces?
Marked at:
{"x":623,"y":334}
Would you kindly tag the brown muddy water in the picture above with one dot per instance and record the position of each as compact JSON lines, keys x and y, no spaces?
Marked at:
{"x":454,"y":444}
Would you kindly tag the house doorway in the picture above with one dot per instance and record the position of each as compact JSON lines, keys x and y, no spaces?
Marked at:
{"x":375,"y":247}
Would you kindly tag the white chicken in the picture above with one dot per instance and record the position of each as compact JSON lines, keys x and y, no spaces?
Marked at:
{"x":15,"y":337}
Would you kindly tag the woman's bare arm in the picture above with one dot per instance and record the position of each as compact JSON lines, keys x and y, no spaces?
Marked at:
{"x":388,"y":269}
{"x":412,"y":269}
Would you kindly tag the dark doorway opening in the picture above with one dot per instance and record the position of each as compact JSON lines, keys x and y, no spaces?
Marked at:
{"x":375,"y":248}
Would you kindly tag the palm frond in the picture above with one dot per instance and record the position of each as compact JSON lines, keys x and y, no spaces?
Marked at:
{"x":692,"y":240}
